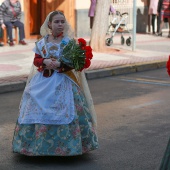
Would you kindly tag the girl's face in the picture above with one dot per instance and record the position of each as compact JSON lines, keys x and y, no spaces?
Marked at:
{"x":58,"y":23}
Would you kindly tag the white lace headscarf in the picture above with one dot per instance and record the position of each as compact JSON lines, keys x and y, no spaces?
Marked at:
{"x":44,"y":30}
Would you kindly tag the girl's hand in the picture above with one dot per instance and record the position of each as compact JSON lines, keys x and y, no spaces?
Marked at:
{"x":49,"y":63}
{"x":56,"y":64}
{"x":53,"y":59}
{"x":3,"y":26}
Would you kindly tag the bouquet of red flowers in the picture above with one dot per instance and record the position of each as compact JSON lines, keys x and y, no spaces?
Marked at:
{"x":77,"y":55}
{"x":168,"y":66}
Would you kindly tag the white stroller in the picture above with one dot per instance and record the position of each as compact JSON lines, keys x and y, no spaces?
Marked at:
{"x":118,"y":24}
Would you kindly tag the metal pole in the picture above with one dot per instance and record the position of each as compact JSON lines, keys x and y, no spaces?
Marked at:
{"x":134,"y":26}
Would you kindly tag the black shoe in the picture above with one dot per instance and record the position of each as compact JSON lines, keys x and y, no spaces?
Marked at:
{"x":159,"y":34}
{"x":1,"y":45}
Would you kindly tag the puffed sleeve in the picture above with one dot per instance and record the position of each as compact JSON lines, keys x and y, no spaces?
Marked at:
{"x":38,"y":62}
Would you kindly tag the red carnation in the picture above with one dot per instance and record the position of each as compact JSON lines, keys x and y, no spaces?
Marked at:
{"x":168,"y":66}
{"x":82,"y":42}
{"x":88,"y":48}
{"x":89,"y":55}
{"x":87,"y":63}
{"x":88,"y":52}
{"x":83,"y":47}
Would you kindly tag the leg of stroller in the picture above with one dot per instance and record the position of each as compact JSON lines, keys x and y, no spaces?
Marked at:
{"x":108,"y":30}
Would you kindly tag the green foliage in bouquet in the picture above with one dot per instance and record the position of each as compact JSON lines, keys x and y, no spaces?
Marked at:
{"x":73,"y":55}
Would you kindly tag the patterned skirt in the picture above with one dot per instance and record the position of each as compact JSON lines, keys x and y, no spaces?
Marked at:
{"x":165,"y":164}
{"x":165,"y":11}
{"x":75,"y":138}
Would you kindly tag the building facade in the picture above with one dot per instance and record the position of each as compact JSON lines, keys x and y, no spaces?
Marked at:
{"x":76,"y":11}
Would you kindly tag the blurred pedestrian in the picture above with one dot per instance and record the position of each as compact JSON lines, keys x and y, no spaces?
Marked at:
{"x":1,"y":45}
{"x":112,"y":10}
{"x":92,"y":11}
{"x":154,"y":14}
{"x":10,"y":15}
{"x":164,"y":12}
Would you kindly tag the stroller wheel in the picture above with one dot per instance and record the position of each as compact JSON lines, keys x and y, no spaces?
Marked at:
{"x":128,"y":41}
{"x":109,"y":41}
{"x":122,"y":40}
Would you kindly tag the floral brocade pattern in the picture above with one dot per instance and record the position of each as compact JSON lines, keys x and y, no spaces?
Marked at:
{"x":42,"y":106}
{"x":75,"y":138}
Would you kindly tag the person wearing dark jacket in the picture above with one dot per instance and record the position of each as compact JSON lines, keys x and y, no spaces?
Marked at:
{"x":1,"y":45}
{"x":164,"y":14}
{"x":10,"y":15}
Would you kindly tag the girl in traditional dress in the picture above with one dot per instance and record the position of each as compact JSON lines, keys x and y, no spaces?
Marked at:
{"x":56,"y":114}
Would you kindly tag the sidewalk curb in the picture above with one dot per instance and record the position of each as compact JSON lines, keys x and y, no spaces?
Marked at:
{"x":94,"y":74}
{"x":12,"y":86}
{"x":115,"y":71}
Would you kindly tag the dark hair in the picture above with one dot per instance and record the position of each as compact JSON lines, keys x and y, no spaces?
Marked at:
{"x":55,"y":13}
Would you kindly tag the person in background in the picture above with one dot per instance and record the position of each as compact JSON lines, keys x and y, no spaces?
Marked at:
{"x":154,"y":14}
{"x":112,"y":9}
{"x":1,"y":45}
{"x":164,"y":13}
{"x":10,"y":15}
{"x":92,"y":12}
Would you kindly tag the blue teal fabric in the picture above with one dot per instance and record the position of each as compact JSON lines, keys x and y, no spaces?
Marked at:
{"x":75,"y":138}
{"x":165,"y":163}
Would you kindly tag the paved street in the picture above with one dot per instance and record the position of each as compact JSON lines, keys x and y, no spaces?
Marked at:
{"x":133,"y":126}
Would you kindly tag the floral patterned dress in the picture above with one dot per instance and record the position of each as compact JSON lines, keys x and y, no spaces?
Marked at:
{"x":54,"y":119}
